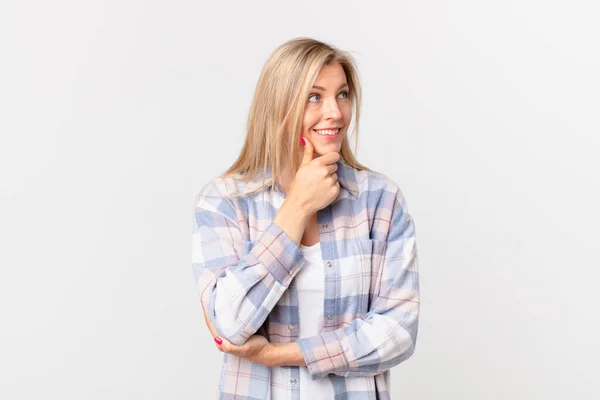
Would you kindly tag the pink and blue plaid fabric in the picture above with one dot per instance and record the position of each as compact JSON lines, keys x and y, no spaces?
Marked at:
{"x":244,"y":265}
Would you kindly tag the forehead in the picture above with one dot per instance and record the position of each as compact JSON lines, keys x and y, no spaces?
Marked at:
{"x":332,"y":74}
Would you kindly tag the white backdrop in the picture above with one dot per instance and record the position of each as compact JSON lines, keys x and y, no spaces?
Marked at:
{"x":114,"y":113}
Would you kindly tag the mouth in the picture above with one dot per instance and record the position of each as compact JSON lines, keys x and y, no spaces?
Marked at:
{"x":328,"y":133}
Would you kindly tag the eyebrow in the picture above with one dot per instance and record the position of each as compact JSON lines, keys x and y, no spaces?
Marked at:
{"x":322,"y":88}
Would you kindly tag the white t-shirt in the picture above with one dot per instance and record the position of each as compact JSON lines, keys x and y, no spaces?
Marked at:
{"x":310,"y":282}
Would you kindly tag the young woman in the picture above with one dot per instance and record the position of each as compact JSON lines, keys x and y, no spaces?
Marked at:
{"x":306,"y":260}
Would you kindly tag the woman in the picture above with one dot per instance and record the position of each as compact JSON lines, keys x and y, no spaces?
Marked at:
{"x":306,"y":260}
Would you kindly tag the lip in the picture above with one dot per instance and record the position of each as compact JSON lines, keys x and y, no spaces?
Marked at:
{"x":331,"y":127}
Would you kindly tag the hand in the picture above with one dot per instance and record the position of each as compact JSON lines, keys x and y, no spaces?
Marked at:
{"x":315,"y":185}
{"x":257,"y":349}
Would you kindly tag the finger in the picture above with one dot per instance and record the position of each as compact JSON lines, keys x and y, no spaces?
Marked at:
{"x":329,"y":158}
{"x":222,"y":344}
{"x":308,"y":151}
{"x":331,"y":168}
{"x":227,"y":347}
{"x":209,"y":324}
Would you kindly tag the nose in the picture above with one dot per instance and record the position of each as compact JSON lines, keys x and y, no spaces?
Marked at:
{"x":331,"y":110}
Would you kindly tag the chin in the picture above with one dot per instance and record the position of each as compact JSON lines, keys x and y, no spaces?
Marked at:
{"x":322,"y":150}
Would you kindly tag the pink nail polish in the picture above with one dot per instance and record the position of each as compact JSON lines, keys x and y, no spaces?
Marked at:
{"x":218,"y":340}
{"x":302,"y":141}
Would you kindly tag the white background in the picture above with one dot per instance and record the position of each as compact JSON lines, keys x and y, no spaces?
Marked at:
{"x":115,"y":113}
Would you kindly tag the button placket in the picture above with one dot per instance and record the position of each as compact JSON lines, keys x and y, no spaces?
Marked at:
{"x":328,"y":237}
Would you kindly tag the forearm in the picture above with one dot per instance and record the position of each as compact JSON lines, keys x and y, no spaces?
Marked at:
{"x":292,"y":218}
{"x":227,"y":289}
{"x":287,"y":354}
{"x":367,"y":347}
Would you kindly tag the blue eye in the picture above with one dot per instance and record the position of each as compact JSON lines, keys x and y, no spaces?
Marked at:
{"x":345,"y":93}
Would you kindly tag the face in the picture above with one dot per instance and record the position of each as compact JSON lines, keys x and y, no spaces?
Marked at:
{"x":327,"y":107}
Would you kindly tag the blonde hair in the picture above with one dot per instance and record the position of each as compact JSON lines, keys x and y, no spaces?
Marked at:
{"x":278,"y":104}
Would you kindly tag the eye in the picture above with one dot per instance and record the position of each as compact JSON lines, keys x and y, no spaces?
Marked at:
{"x":345,"y":93}
{"x":311,"y":96}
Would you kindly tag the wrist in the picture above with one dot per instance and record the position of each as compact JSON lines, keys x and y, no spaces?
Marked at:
{"x":300,"y":208}
{"x":292,"y":215}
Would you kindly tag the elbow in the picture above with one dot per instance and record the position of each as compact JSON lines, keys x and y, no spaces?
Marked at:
{"x":404,"y":355}
{"x":225,"y":324}
{"x":380,"y":367}
{"x":398,"y":350}
{"x":406,"y":340}
{"x":231,"y":330}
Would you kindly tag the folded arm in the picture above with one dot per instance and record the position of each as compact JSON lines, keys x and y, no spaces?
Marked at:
{"x":386,"y":335}
{"x":239,"y":290}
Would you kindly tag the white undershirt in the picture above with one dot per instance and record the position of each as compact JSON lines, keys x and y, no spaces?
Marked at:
{"x":310,"y":282}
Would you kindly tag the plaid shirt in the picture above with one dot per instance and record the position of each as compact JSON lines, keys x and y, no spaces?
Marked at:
{"x":244,"y":265}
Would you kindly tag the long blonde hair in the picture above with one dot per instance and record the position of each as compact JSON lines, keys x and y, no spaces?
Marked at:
{"x":274,"y":124}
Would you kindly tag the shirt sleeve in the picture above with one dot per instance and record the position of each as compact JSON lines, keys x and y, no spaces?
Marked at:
{"x":386,"y":335}
{"x":239,"y":287}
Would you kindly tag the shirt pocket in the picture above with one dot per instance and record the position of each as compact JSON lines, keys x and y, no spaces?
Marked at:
{"x":371,"y":257}
{"x":359,"y":277}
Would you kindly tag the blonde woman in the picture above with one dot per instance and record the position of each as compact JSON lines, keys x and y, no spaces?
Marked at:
{"x":306,"y":260}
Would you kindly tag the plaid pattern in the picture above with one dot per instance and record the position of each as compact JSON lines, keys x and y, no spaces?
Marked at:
{"x":244,"y":265}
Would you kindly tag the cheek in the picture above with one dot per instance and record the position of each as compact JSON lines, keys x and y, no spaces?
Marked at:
{"x":347,"y":114}
{"x":309,"y":121}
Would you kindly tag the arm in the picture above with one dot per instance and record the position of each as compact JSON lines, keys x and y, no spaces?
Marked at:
{"x":387,"y":334}
{"x":238,"y":292}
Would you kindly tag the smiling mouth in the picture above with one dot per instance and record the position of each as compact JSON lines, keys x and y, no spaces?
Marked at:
{"x":328,"y":132}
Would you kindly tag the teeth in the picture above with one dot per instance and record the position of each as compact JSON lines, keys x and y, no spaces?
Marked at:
{"x":327,"y":131}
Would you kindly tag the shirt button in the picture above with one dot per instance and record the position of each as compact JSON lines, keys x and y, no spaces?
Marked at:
{"x":329,"y":264}
{"x":324,"y":225}
{"x":293,"y":381}
{"x":291,"y":327}
{"x":329,"y":317}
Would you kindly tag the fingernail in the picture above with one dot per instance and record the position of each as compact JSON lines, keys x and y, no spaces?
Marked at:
{"x":218,"y":340}
{"x":302,"y":141}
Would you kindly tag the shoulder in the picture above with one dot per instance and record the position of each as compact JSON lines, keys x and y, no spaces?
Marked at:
{"x":222,"y":187}
{"x":377,"y":186}
{"x":223,"y":194}
{"x":384,"y":203}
